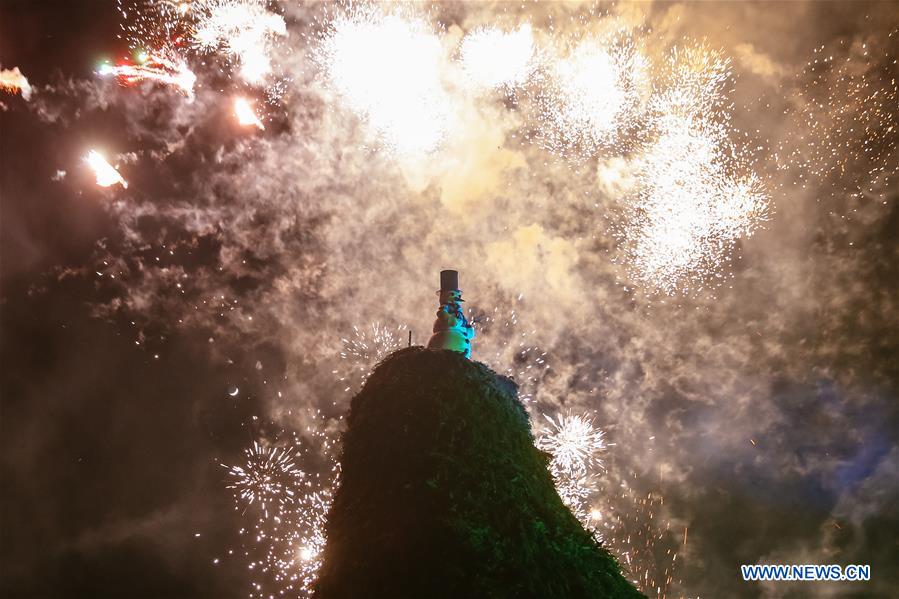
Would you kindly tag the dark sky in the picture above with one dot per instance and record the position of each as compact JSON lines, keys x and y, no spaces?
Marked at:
{"x":764,"y":411}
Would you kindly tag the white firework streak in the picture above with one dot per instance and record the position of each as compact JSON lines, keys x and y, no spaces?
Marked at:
{"x":154,"y":67}
{"x":243,"y":110}
{"x":105,"y":173}
{"x":386,"y":68}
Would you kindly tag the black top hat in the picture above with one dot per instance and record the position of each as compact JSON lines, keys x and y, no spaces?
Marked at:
{"x":449,"y":279}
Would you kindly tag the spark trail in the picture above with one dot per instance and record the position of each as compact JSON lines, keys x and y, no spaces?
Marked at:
{"x":13,"y":81}
{"x":104,"y":172}
{"x":153,"y":67}
{"x":246,"y":117}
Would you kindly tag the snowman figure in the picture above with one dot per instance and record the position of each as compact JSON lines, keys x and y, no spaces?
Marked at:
{"x":451,"y":329}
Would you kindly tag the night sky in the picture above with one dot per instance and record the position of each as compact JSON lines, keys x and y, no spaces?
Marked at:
{"x":150,"y":334}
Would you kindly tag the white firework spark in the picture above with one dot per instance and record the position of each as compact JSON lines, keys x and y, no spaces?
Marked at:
{"x":104,"y":172}
{"x":386,"y":67}
{"x":632,"y":525}
{"x":268,"y":476}
{"x":493,"y":58}
{"x":575,"y":444}
{"x":365,"y":348}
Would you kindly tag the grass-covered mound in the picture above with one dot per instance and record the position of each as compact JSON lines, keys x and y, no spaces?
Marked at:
{"x":443,"y":494}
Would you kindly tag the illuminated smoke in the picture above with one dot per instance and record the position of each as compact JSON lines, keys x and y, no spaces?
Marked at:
{"x":694,"y":196}
{"x":509,"y":348}
{"x":386,"y":68}
{"x":106,"y":174}
{"x":13,"y":81}
{"x":493,"y":58}
{"x":244,"y":30}
{"x":243,"y":110}
{"x":153,"y":67}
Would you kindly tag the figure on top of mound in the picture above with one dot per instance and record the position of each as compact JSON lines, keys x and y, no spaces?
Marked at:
{"x":451,"y":329}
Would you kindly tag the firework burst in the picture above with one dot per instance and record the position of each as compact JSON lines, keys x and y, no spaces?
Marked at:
{"x":243,"y":30}
{"x":492,"y":58}
{"x":364,"y":349}
{"x":285,"y":508}
{"x":269,"y":476}
{"x":386,"y":68}
{"x":592,"y":97}
{"x":697,"y":192}
{"x":576,"y":446}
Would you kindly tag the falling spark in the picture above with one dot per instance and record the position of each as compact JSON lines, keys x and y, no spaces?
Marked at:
{"x":106,"y":174}
{"x":244,"y":30}
{"x":493,"y":58}
{"x":634,"y":529}
{"x":243,"y":110}
{"x":153,"y":67}
{"x":386,"y":68}
{"x":847,"y":126}
{"x":13,"y":81}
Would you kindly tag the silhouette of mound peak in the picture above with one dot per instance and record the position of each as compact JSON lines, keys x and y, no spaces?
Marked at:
{"x":443,"y":494}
